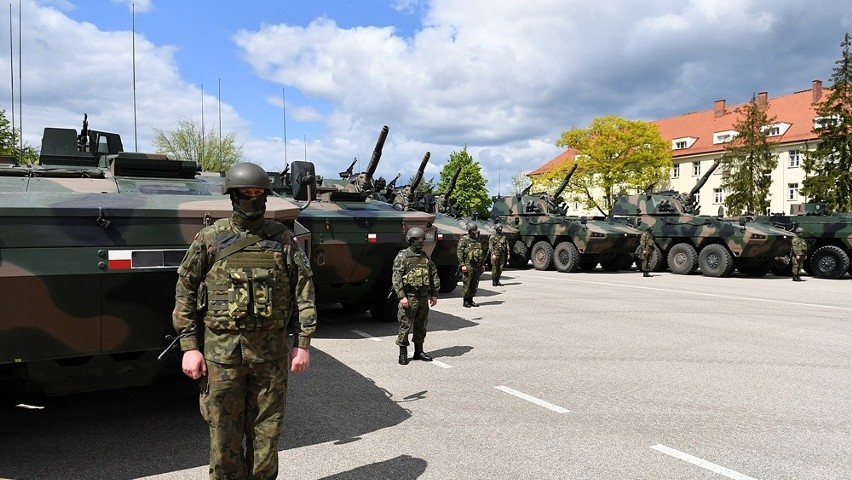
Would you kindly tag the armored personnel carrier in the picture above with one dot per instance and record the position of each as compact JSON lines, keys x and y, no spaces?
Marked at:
{"x":90,"y":241}
{"x":829,"y":238}
{"x":687,"y":241}
{"x":549,"y":238}
{"x":354,"y":239}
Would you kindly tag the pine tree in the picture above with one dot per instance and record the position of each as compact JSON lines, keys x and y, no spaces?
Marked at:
{"x":748,"y":161}
{"x":829,"y":166}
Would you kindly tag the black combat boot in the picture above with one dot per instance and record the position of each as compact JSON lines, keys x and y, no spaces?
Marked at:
{"x":466,"y":303}
{"x":403,"y":355}
{"x":471,"y":302}
{"x":646,"y":274}
{"x":419,"y":354}
{"x":493,"y":282}
{"x":497,"y":283}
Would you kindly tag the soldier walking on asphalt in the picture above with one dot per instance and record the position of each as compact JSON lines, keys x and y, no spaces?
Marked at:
{"x":415,"y":282}
{"x":499,"y":247}
{"x":799,"y":249}
{"x":646,"y":246}
{"x":237,"y":284}
{"x":471,"y":261}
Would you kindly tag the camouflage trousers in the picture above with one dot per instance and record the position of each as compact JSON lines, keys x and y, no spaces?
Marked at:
{"x":796,"y":262}
{"x":646,"y":262}
{"x":244,"y":401}
{"x":470,"y":280}
{"x":415,"y":318}
{"x":497,"y":262}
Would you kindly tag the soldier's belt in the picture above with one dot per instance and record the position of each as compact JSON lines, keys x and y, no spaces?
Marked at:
{"x":416,"y":290}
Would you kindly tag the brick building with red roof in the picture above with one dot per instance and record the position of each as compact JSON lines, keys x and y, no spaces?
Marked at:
{"x":698,"y":138}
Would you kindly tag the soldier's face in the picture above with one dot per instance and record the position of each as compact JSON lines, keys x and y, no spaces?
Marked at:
{"x":417,"y":244}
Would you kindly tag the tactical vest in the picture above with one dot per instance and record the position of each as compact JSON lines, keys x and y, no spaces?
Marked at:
{"x":416,"y":273}
{"x":248,"y":289}
{"x":474,"y":253}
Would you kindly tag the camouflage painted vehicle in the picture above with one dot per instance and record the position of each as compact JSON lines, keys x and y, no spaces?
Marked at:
{"x":829,"y":238}
{"x":549,"y":238}
{"x":90,"y":242}
{"x":687,"y":241}
{"x":355,"y":238}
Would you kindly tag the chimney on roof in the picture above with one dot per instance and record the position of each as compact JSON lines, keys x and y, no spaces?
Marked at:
{"x":762,"y":99}
{"x":816,"y":86}
{"x":719,"y":108}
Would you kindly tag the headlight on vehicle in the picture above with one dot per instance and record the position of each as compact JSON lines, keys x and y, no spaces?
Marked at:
{"x":758,"y":236}
{"x":598,"y":235}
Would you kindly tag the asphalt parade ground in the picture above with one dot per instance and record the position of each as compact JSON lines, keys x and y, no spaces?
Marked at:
{"x":555,"y":376}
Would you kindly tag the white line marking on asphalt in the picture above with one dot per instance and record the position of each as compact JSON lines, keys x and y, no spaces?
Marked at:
{"x":441,"y":364}
{"x":532,"y":399}
{"x":693,"y":292}
{"x":727,"y":472}
{"x":367,"y":335}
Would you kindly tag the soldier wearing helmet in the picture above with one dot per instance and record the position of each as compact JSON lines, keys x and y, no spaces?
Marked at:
{"x":237,"y":284}
{"x":471,"y":257}
{"x":499,"y":247}
{"x":798,"y":252}
{"x":415,"y":282}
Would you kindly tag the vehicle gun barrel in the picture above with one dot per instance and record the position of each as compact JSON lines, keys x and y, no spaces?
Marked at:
{"x":704,"y":178}
{"x":377,"y":152}
{"x":564,"y":183}
{"x":349,"y":171}
{"x":419,"y":176}
{"x":451,"y":186}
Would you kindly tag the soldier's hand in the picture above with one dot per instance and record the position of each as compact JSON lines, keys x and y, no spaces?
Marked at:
{"x":464,"y":268}
{"x":193,"y":364}
{"x":404,"y":302}
{"x":300,"y":359}
{"x":433,"y":301}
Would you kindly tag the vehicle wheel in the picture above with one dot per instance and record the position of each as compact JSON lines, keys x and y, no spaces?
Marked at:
{"x":781,"y":267}
{"x":755,"y":269}
{"x":566,"y":257}
{"x":449,"y":277}
{"x":829,"y":261}
{"x":542,"y":255}
{"x":683,"y":259}
{"x":715,"y":261}
{"x":520,"y":255}
{"x":658,"y":261}
{"x":384,"y":309}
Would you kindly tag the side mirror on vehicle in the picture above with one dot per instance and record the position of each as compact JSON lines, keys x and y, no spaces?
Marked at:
{"x":303,"y":180}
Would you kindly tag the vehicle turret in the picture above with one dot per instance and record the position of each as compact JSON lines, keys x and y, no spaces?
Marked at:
{"x":362,"y":184}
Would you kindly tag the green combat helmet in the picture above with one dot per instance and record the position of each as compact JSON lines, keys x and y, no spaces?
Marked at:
{"x":471,"y":227}
{"x":413,"y":233}
{"x":498,"y":228}
{"x":246,"y":175}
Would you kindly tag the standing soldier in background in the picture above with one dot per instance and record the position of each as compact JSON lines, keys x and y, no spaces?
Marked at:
{"x":239,"y":279}
{"x":646,"y":246}
{"x":499,"y":247}
{"x":799,"y":249}
{"x":415,"y":283}
{"x":471,"y":261}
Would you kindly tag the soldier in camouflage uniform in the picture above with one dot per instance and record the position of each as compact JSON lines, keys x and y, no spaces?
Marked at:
{"x":471,"y":261}
{"x":646,"y":247}
{"x":238,"y":286}
{"x":798,"y":253}
{"x":499,"y":247}
{"x":416,"y":284}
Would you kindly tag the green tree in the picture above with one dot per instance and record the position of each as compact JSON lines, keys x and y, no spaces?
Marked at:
{"x":520,"y":181}
{"x":748,"y":161}
{"x":10,"y":143}
{"x":614,"y":156}
{"x":829,"y":166}
{"x":190,"y":143}
{"x":470,"y":191}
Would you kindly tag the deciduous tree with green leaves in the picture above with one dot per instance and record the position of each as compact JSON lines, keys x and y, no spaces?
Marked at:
{"x":829,"y":166}
{"x":520,"y":181}
{"x":748,"y":161}
{"x":470,"y":191}
{"x":614,"y":156}
{"x":10,"y":143}
{"x":190,"y":143}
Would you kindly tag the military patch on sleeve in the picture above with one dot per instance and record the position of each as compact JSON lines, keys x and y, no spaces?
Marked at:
{"x":305,"y":263}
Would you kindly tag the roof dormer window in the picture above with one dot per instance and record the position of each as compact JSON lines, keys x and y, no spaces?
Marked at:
{"x":776,"y":129}
{"x":683,"y":143}
{"x":724,"y":137}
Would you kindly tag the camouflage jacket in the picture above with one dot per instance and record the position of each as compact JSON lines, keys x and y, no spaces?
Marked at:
{"x":244,"y":299}
{"x":469,"y":251}
{"x":498,"y":244}
{"x":800,"y":246}
{"x":414,"y":272}
{"x":646,"y":242}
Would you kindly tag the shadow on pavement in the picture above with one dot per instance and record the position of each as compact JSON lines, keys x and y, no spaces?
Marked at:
{"x":403,"y":467}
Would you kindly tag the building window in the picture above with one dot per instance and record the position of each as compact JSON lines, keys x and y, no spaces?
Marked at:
{"x":676,"y":170}
{"x":792,"y":191}
{"x":696,"y":169}
{"x":681,"y":144}
{"x":717,"y":196}
{"x":773,"y":131}
{"x":795,"y":158}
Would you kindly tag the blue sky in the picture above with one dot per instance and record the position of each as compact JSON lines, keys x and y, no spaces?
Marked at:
{"x":502,"y":77}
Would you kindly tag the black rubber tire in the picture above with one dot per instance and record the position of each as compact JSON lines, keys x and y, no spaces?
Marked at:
{"x":781,"y":268}
{"x":715,"y":261}
{"x":542,"y":255}
{"x":658,"y":263}
{"x":520,"y":255}
{"x":683,"y":259}
{"x":448,"y":275}
{"x":829,"y":261}
{"x":566,"y":257}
